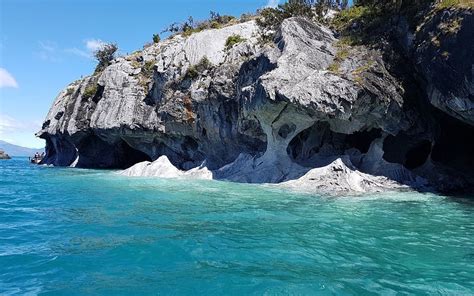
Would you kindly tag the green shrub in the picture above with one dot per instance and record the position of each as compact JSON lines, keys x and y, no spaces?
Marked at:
{"x":156,"y":38}
{"x":245,"y":17}
{"x":147,"y":69}
{"x":194,"y":71}
{"x":204,"y":64}
{"x":233,"y":40}
{"x":271,"y":18}
{"x":215,"y":25}
{"x":190,"y":27}
{"x":90,"y":91}
{"x":135,"y":64}
{"x":343,"y":51}
{"x":357,"y":73}
{"x":348,"y":16}
{"x":69,"y":91}
{"x":105,"y":55}
{"x":188,"y":31}
{"x":455,"y":3}
{"x":220,"y":19}
{"x":334,"y":67}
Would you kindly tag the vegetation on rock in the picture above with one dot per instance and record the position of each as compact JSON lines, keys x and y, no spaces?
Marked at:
{"x":233,"y":40}
{"x":105,"y":55}
{"x":341,"y":54}
{"x":194,"y":71}
{"x":90,"y":91}
{"x":188,"y":27}
{"x":455,"y":3}
{"x":69,"y":91}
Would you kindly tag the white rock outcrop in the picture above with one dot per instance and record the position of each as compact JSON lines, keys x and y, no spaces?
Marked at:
{"x":163,"y":168}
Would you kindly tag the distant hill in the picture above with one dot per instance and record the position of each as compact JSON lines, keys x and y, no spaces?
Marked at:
{"x":15,"y":150}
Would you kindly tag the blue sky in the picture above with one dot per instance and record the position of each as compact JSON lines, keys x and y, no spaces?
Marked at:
{"x":46,"y":44}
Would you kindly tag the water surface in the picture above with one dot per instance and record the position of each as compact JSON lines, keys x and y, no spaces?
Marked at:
{"x":74,"y":232}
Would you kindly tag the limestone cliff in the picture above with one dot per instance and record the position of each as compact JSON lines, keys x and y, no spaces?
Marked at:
{"x":275,"y":112}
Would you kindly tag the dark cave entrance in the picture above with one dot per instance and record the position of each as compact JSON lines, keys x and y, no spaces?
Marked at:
{"x":408,"y":150}
{"x":97,"y":153}
{"x":454,"y":144}
{"x":59,"y":152}
{"x":363,"y":139}
{"x":418,"y":155}
{"x":131,"y":156}
{"x":308,"y":142}
{"x":320,"y":139}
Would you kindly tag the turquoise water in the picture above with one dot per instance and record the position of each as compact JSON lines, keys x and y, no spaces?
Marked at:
{"x":75,"y":232}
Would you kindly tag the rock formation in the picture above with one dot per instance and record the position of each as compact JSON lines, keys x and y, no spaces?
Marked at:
{"x":291,"y":111}
{"x":3,"y":155}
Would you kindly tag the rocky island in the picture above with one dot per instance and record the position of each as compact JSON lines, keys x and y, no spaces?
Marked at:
{"x":3,"y":155}
{"x":366,"y":100}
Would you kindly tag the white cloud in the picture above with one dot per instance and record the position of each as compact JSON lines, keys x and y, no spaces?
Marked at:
{"x":94,"y":44}
{"x":90,"y":46}
{"x":272,"y":3}
{"x":19,"y":132}
{"x":6,"y":79}
{"x":7,"y":123}
{"x":79,"y":52}
{"x":48,"y":51}
{"x":48,"y":46}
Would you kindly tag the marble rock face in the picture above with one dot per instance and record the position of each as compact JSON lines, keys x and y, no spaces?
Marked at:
{"x":290,"y":111}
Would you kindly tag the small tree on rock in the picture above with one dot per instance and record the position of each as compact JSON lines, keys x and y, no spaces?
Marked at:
{"x":104,"y":55}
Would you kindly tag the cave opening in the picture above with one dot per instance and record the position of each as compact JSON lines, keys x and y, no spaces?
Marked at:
{"x":408,"y":150}
{"x":454,"y":144}
{"x":59,"y":152}
{"x":418,"y":154}
{"x":94,"y":152}
{"x":319,"y":139}
{"x":307,"y":143}
{"x":131,"y":156}
{"x":50,"y":152}
{"x":363,"y":139}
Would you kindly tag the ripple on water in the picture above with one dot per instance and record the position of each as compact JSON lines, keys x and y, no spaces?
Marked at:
{"x":69,"y":231}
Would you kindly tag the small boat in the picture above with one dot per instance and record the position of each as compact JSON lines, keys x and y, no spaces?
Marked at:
{"x":35,"y":160}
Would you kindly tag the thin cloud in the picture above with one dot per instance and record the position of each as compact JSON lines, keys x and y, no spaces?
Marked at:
{"x":6,"y":123}
{"x":79,"y":52}
{"x":94,"y":44}
{"x":10,"y":125}
{"x":19,"y":132}
{"x":48,"y":46}
{"x":272,"y":3}
{"x":48,"y":51}
{"x":90,"y":46}
{"x":7,"y":79}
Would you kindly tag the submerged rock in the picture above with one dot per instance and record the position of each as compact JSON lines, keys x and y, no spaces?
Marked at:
{"x":292,"y":111}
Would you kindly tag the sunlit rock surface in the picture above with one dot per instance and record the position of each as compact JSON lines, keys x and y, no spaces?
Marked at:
{"x":256,"y":112}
